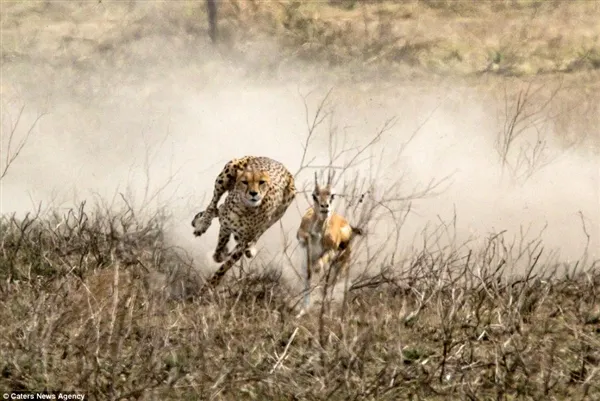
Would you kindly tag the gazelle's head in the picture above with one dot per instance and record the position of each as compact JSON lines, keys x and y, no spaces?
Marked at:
{"x":323,"y":196}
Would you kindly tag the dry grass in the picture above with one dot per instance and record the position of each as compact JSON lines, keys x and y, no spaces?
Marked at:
{"x":449,"y":37}
{"x":97,"y":299}
{"x":80,"y":311}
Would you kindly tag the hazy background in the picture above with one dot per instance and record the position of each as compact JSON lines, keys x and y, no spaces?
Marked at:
{"x":164,"y":113}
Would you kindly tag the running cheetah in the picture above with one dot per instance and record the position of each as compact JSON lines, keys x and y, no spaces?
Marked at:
{"x":260,"y":191}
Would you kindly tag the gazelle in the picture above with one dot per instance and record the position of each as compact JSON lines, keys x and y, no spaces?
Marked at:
{"x":325,"y":235}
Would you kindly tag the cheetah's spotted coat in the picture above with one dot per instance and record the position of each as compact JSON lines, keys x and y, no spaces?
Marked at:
{"x":260,"y":191}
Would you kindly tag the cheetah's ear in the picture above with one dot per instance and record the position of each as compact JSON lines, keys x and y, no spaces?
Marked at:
{"x":238,"y":173}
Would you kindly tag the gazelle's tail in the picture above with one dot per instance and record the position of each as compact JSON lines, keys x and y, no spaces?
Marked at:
{"x":356,"y":231}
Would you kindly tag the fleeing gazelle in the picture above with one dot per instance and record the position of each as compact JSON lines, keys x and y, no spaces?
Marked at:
{"x":324,"y":234}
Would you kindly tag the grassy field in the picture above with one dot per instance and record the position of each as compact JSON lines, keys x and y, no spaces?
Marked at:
{"x":443,"y":37}
{"x":81,"y":311}
{"x":100,"y":300}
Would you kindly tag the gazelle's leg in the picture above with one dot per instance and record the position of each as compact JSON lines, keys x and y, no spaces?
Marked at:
{"x":345,"y":267}
{"x":325,"y":259}
{"x":305,"y":268}
{"x":307,"y":274}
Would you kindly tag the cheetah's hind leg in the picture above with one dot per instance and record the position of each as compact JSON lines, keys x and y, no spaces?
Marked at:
{"x":250,"y":250}
{"x":222,"y":250}
{"x":235,"y":256}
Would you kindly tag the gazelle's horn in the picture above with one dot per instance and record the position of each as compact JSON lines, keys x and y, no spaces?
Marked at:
{"x":330,"y":177}
{"x":316,"y":181}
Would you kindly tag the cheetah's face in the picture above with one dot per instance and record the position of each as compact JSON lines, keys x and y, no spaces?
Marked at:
{"x":322,"y":200}
{"x":252,"y":185}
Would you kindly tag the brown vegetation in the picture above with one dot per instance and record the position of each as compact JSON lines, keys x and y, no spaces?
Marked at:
{"x":518,"y":37}
{"x":78,"y":314}
{"x":97,"y":298}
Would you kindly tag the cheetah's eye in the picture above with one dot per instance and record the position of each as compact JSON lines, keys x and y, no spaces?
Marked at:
{"x":245,"y":182}
{"x":261,"y":182}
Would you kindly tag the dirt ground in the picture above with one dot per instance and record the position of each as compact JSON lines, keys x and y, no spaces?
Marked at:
{"x":473,"y":126}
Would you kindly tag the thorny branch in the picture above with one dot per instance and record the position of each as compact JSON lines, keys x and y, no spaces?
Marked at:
{"x":10,"y":157}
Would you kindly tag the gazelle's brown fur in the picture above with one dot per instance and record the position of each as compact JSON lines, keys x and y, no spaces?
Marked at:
{"x":324,"y":234}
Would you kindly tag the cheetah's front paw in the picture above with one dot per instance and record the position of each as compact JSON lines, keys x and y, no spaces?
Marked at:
{"x":201,"y":223}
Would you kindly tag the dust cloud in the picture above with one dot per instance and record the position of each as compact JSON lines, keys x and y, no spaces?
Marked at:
{"x":168,"y":127}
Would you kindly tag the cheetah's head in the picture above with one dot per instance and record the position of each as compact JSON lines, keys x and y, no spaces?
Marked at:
{"x":252,"y":185}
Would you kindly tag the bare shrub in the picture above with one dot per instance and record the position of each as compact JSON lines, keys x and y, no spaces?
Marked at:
{"x":363,"y":200}
{"x":10,"y":150}
{"x":444,"y":322}
{"x":523,"y":143}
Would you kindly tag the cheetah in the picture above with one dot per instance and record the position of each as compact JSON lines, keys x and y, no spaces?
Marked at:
{"x":260,"y":190}
{"x":325,"y":235}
